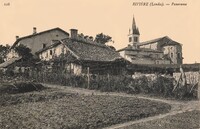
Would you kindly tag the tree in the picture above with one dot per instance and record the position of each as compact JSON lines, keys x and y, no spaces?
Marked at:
{"x":24,"y":52}
{"x":102,"y":38}
{"x":3,"y":52}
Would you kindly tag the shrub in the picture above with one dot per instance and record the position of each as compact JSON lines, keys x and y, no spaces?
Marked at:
{"x":21,"y":87}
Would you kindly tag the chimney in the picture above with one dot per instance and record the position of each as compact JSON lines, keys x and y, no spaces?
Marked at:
{"x":17,"y":37}
{"x":34,"y":30}
{"x":91,"y":38}
{"x":74,"y":33}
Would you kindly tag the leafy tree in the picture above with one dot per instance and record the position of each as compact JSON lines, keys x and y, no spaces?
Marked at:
{"x":102,"y":38}
{"x":3,"y":52}
{"x":24,"y":51}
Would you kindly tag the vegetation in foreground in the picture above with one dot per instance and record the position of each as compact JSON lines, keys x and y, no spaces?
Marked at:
{"x":186,"y":120}
{"x":53,"y":108}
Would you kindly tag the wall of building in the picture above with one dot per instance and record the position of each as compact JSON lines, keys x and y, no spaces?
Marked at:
{"x":11,"y":54}
{"x":53,"y":52}
{"x":162,"y":62}
{"x":174,"y":52}
{"x":144,"y":57}
{"x":142,"y":61}
{"x":73,"y":68}
{"x":122,"y":54}
{"x":153,"y":46}
{"x":35,"y":43}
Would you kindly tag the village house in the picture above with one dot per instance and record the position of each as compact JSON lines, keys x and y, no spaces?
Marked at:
{"x":37,"y":41}
{"x":81,"y":54}
{"x":157,"y":51}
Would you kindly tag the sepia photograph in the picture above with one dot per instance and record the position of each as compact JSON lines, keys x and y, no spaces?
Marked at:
{"x":99,"y":64}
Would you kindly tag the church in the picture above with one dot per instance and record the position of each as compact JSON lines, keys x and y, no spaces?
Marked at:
{"x":161,"y":50}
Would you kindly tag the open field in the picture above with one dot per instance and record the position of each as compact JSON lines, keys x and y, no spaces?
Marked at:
{"x":56,"y":108}
{"x":186,"y":120}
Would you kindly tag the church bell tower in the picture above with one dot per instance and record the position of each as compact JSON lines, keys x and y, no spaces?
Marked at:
{"x":134,"y":34}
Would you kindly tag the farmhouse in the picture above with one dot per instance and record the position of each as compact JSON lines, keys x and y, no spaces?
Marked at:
{"x":37,"y":41}
{"x":162,"y":50}
{"x":80,"y":55}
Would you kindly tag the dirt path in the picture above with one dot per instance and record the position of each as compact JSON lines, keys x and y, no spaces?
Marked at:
{"x":177,"y":106}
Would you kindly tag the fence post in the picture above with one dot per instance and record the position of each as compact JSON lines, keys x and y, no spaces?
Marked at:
{"x":198,"y":88}
{"x":88,"y":76}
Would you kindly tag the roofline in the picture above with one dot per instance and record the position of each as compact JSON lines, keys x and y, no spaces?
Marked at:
{"x":151,"y":41}
{"x":121,"y":49}
{"x":57,"y":28}
{"x":70,"y":50}
{"x":157,"y":39}
{"x":53,"y":45}
{"x":139,"y":50}
{"x":49,"y":47}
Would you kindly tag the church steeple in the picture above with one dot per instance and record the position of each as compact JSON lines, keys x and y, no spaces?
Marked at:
{"x":134,"y":34}
{"x":135,"y":30}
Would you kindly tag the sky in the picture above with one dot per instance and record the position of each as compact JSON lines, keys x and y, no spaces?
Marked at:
{"x":111,"y":17}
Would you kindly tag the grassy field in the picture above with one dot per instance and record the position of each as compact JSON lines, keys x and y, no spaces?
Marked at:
{"x":54,"y":108}
{"x":186,"y":120}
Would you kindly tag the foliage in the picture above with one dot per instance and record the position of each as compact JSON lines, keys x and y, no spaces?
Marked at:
{"x":185,"y":120}
{"x":24,"y":51}
{"x":21,"y":87}
{"x":102,"y":38}
{"x":62,"y":109}
{"x":158,"y":85}
{"x":3,"y":52}
{"x":153,"y":85}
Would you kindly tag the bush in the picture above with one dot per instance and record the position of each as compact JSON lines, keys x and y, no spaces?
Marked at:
{"x":20,"y":88}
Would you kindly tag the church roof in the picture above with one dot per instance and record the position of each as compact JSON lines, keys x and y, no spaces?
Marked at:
{"x":164,"y":40}
{"x":139,"y":49}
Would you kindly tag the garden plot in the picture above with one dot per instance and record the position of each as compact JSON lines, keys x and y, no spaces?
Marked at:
{"x":186,"y":120}
{"x":53,"y":108}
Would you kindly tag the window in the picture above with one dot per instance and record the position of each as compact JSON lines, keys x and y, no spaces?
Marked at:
{"x":130,"y":39}
{"x":179,"y":55}
{"x":135,"y":39}
{"x":51,"y":52}
{"x":44,"y":45}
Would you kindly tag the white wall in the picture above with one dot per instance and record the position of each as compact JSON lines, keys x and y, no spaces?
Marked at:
{"x":11,"y":54}
{"x":56,"y":51}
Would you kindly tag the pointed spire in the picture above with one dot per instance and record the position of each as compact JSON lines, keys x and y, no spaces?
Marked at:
{"x":135,"y":29}
{"x":133,"y":23}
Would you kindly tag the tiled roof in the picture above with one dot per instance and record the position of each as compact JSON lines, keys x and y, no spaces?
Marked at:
{"x":91,"y":51}
{"x":139,"y":49}
{"x":32,"y":35}
{"x":87,"y":51}
{"x":165,"y":40}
